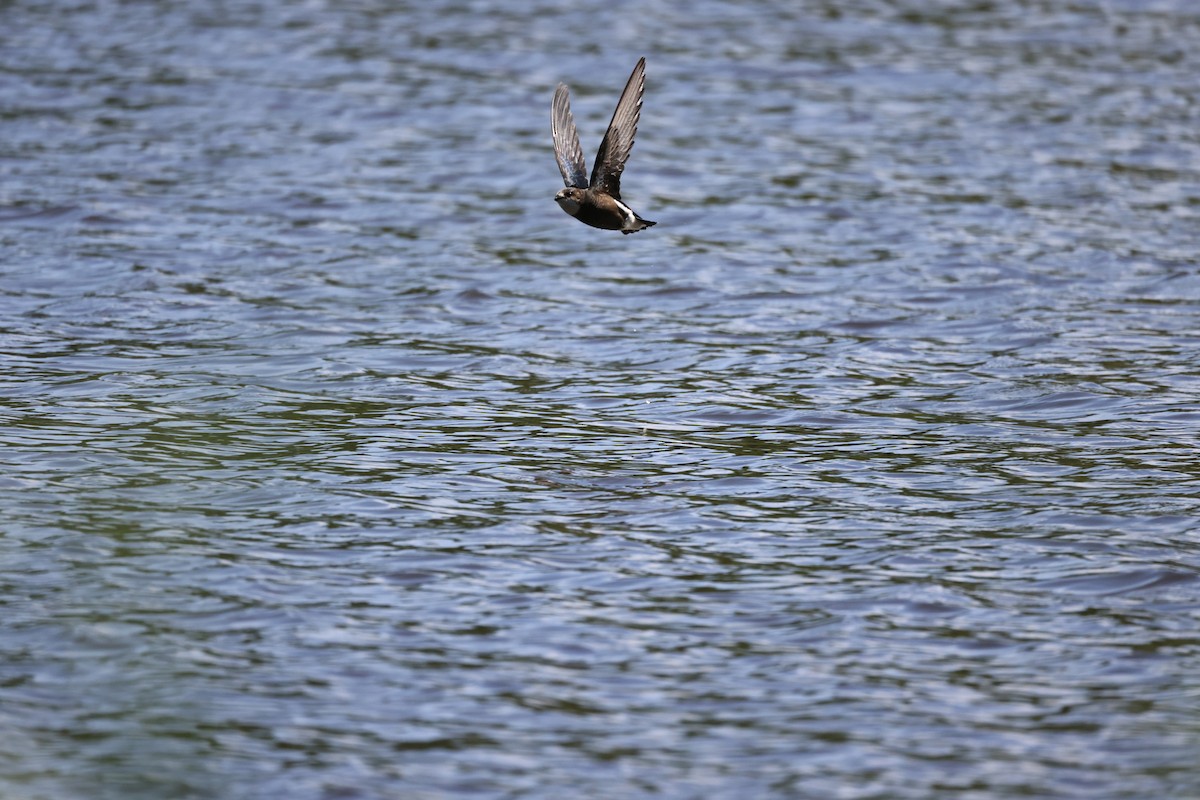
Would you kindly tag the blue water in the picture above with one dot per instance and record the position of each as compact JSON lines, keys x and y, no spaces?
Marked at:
{"x":337,"y":462}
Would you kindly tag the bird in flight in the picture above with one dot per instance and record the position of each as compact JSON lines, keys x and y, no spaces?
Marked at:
{"x":597,"y":202}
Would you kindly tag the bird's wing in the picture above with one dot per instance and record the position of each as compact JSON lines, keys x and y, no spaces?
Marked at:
{"x":618,"y":139}
{"x":567,"y":151}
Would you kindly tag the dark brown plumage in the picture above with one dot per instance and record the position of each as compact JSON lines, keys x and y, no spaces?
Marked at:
{"x":597,"y":201}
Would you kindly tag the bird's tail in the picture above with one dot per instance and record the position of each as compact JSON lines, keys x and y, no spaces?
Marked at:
{"x":639,"y":224}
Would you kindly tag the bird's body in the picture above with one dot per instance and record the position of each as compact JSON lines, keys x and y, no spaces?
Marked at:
{"x":597,"y":201}
{"x":600,"y":210}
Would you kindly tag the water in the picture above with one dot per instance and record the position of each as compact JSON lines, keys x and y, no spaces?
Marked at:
{"x":339,"y":463}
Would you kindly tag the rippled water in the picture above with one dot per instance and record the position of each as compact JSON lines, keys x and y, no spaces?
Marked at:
{"x":339,"y":463}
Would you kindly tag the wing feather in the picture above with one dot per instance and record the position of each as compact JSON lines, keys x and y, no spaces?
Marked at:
{"x":618,"y":139}
{"x":567,"y":151}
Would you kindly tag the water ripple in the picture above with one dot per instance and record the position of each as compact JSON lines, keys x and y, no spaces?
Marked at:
{"x":338,"y":462}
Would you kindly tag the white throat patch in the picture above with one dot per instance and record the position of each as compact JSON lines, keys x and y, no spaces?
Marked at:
{"x":569,"y":205}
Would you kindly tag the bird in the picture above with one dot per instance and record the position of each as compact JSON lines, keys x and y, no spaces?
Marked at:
{"x":597,"y":202}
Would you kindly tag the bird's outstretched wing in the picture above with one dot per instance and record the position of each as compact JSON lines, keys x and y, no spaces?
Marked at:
{"x":618,"y":139}
{"x":567,"y":151}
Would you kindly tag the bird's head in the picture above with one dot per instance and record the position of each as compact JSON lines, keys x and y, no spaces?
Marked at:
{"x":570,"y":199}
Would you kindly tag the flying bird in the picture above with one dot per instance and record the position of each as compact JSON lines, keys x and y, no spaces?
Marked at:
{"x":597,"y":202}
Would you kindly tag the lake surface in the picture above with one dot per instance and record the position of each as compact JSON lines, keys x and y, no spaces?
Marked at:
{"x":337,"y":462}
